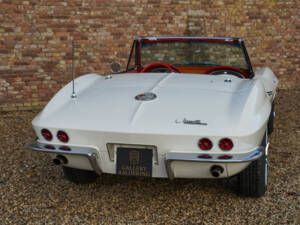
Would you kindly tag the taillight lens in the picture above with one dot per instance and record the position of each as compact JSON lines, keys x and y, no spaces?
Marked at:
{"x":62,"y":136}
{"x":204,"y":156}
{"x":65,"y":148}
{"x":225,"y":157}
{"x":205,"y":144}
{"x":49,"y":147}
{"x":225,"y":144}
{"x":47,"y":134}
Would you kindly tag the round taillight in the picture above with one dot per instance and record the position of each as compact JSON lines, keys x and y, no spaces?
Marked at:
{"x":225,"y":144}
{"x":62,"y":136}
{"x":205,"y":144}
{"x":47,"y":134}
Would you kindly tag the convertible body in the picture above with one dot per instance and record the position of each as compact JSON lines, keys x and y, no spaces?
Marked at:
{"x":161,"y":123}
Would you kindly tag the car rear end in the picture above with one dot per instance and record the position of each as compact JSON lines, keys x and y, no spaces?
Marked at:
{"x":153,"y":155}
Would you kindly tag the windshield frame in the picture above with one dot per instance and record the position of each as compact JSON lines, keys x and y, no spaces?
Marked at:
{"x":225,"y":40}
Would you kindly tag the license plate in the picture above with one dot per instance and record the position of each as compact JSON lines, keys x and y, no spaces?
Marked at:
{"x":134,"y":162}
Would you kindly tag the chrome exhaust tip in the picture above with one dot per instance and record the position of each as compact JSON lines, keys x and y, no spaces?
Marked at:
{"x":60,"y":160}
{"x":216,"y":171}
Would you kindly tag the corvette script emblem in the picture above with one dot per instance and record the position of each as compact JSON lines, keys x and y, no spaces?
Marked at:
{"x":147,"y":96}
{"x":193,"y":122}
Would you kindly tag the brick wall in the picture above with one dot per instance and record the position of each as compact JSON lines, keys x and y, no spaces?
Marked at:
{"x":35,"y":37}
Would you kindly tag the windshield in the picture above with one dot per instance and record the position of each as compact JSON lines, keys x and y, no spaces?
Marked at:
{"x":193,"y":53}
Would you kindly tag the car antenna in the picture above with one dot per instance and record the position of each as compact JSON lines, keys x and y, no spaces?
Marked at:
{"x":73,"y":76}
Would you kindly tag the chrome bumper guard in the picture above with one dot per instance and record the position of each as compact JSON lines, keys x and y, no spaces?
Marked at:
{"x":194,"y":157}
{"x":89,"y":153}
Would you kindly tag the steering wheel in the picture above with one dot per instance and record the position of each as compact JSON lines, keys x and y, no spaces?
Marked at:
{"x":221,"y":70}
{"x":160,"y":68}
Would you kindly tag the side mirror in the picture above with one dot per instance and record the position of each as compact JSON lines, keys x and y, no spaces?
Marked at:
{"x":115,"y":67}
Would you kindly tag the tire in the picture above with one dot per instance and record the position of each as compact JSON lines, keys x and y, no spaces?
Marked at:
{"x":271,"y":120}
{"x":79,"y":176}
{"x":253,"y":181}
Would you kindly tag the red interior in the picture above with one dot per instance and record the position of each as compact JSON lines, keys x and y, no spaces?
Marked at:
{"x":192,"y":69}
{"x":160,"y":65}
{"x":216,"y":68}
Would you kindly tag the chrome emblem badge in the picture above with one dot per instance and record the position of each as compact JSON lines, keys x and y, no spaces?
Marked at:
{"x":198,"y":122}
{"x":193,"y":122}
{"x":147,"y":96}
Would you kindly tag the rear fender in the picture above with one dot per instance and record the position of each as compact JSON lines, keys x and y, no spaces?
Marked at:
{"x":269,"y":81}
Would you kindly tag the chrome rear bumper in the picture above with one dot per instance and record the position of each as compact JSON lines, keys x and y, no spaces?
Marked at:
{"x":92,"y":155}
{"x":89,"y":153}
{"x":194,"y":157}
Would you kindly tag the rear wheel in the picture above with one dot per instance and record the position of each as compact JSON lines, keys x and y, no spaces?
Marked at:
{"x":79,"y":176}
{"x":253,"y":180}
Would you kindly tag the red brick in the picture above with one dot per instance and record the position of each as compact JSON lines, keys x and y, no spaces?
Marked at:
{"x":36,"y":38}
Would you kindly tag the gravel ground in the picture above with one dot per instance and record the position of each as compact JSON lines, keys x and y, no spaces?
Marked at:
{"x":33,"y":190}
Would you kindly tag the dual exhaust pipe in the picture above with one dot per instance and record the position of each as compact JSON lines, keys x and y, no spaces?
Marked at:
{"x":216,"y":171}
{"x":60,"y":160}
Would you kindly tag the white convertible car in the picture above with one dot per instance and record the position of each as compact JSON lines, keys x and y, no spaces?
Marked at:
{"x":185,"y":107}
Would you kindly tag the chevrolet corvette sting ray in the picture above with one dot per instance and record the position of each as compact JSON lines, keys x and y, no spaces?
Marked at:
{"x":184,"y":107}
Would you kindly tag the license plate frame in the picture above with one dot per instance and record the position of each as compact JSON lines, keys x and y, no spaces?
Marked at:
{"x":134,"y":161}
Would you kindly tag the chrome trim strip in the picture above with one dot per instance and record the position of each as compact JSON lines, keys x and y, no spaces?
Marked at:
{"x":186,"y":37}
{"x":91,"y":155}
{"x":193,"y":157}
